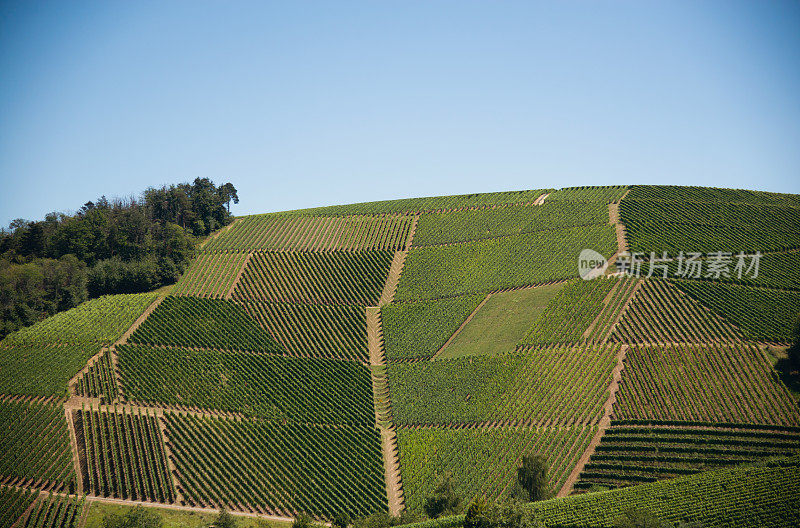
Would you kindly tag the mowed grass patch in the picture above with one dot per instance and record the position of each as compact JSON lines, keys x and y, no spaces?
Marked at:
{"x":501,"y":323}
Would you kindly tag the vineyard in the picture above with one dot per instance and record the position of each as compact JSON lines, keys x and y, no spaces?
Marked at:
{"x":54,"y":511}
{"x":713,"y":383}
{"x":632,"y":454}
{"x":41,"y":370}
{"x":419,"y":329}
{"x":659,"y":313}
{"x":281,"y":469}
{"x":461,"y":226}
{"x":608,"y":194}
{"x":345,"y":359}
{"x":427,"y":205}
{"x":13,"y":503}
{"x":483,"y":462}
{"x":336,"y":332}
{"x":101,"y":320}
{"x":299,"y":233}
{"x":570,"y":313}
{"x":513,"y":261}
{"x":211,"y":275}
{"x":123,"y":456}
{"x":760,"y":313}
{"x":34,"y":445}
{"x":99,"y":380}
{"x":504,"y":388}
{"x":761,"y":495}
{"x":334,"y":277}
{"x":274,"y":387}
{"x":204,"y":323}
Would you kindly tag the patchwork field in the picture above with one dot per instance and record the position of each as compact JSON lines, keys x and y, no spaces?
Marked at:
{"x":347,"y":359}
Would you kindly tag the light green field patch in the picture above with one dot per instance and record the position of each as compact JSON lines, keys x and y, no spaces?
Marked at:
{"x":501,"y":323}
{"x":175,"y":518}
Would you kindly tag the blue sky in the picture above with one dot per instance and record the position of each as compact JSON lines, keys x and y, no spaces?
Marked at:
{"x":308,"y":103}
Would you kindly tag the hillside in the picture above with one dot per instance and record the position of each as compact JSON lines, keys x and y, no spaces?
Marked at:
{"x":347,"y":358}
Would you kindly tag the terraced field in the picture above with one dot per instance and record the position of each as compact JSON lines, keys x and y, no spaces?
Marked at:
{"x":344,"y":359}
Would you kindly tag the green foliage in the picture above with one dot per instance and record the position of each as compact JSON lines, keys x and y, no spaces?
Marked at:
{"x":210,"y":275}
{"x":634,"y":518}
{"x":274,"y":387}
{"x":315,"y":330}
{"x":419,"y":329}
{"x":37,"y":289}
{"x":762,"y":314}
{"x":321,"y":277}
{"x":660,"y":313}
{"x":125,"y":456}
{"x":34,"y":444}
{"x":430,"y":204}
{"x":100,"y":380}
{"x":632,"y":452}
{"x":482,"y":461}
{"x":707,"y":227}
{"x":485,"y":265}
{"x":443,"y":500}
{"x":138,"y":517}
{"x":606,"y":194}
{"x":41,"y":370}
{"x":207,"y":323}
{"x":459,"y":226}
{"x":341,"y":520}
{"x":54,"y":511}
{"x":677,"y":193}
{"x":101,"y":321}
{"x":506,"y":387}
{"x":570,"y":313}
{"x":288,"y":232}
{"x":532,"y":476}
{"x":718,"y":383}
{"x":225,"y":520}
{"x":286,"y":468}
{"x":13,"y":502}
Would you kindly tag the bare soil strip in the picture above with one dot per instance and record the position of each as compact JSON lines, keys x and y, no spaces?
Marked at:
{"x":390,"y":451}
{"x":395,"y":270}
{"x":540,"y":200}
{"x":458,"y":330}
{"x":73,"y":382}
{"x":238,"y":276}
{"x":606,"y":300}
{"x":603,"y":424}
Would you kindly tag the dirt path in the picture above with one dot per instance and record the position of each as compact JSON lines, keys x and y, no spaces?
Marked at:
{"x":623,"y":309}
{"x":458,"y":330}
{"x":383,"y":413}
{"x":391,"y":462}
{"x":602,"y":425}
{"x":138,"y":322}
{"x":540,"y":200}
{"x":73,"y":382}
{"x":396,"y":269}
{"x":238,"y":276}
{"x":173,"y":471}
{"x":606,"y":300}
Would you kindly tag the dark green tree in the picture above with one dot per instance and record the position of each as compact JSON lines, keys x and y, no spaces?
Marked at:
{"x":794,"y":350}
{"x":635,"y":518}
{"x":532,"y":476}
{"x":341,"y":520}
{"x":443,"y":500}
{"x":224,"y":520}
{"x":302,"y":520}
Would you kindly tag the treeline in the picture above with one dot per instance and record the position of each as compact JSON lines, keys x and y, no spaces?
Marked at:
{"x":108,"y":246}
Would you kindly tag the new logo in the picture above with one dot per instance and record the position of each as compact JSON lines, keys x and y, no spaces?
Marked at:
{"x":591,"y":264}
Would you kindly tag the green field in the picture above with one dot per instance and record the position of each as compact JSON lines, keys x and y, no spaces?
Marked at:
{"x":501,"y":323}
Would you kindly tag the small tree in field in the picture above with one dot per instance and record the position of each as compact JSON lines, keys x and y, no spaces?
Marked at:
{"x":341,"y":520}
{"x":224,"y":520}
{"x":443,"y":500}
{"x":532,"y":476}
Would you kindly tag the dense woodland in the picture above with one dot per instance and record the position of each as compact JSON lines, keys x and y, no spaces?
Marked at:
{"x":126,"y":245}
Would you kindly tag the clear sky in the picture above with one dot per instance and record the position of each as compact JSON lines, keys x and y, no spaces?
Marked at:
{"x":308,"y":103}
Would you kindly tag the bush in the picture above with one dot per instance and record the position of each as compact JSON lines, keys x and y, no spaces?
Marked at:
{"x":532,"y":476}
{"x":138,"y":517}
{"x":443,"y":500}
